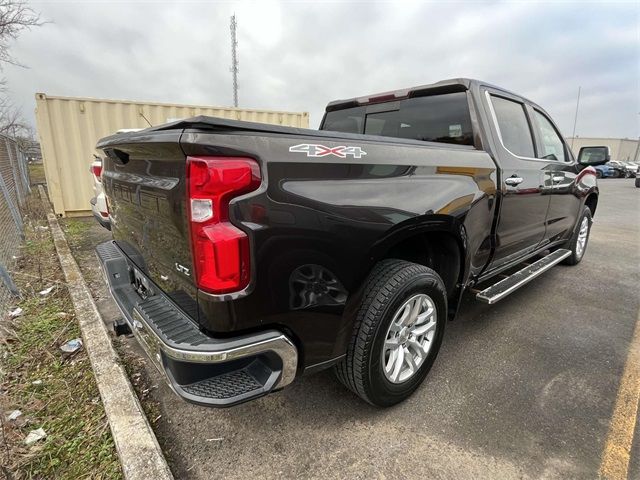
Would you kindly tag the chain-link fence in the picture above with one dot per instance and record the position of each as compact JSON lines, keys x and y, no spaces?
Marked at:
{"x":14,"y":188}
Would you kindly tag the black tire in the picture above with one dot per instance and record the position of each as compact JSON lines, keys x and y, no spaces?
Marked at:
{"x":598,"y":174}
{"x":577,"y":255}
{"x":638,"y":181}
{"x":390,"y":284}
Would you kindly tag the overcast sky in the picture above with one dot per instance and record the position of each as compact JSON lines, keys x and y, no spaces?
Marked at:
{"x":297,"y":56}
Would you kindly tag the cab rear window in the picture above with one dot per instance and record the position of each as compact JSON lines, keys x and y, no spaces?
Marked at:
{"x":441,"y":118}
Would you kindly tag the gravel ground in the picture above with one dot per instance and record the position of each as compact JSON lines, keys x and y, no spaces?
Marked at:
{"x":521,"y":389}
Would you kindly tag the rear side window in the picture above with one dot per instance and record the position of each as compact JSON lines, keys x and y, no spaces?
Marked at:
{"x":437,"y":118}
{"x":350,"y":120}
{"x":513,"y":126}
{"x":552,"y":146}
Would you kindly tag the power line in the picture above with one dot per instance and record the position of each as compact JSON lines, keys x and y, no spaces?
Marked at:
{"x":234,"y":59}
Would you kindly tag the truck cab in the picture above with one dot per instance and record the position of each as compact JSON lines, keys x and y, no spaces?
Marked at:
{"x":537,"y":172}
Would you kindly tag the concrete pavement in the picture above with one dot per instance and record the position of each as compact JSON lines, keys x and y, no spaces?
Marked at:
{"x":522,"y":389}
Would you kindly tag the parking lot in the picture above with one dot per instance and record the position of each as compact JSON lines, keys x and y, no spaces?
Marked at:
{"x":522,"y":389}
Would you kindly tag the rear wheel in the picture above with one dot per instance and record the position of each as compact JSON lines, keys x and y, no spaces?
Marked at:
{"x":598,"y":174}
{"x":578,"y":242}
{"x":398,"y":332}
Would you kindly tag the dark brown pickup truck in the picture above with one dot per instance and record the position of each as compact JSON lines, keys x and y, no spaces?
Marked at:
{"x":245,"y":255}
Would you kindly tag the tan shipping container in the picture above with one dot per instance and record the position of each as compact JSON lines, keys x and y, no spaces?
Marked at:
{"x":69,"y":129}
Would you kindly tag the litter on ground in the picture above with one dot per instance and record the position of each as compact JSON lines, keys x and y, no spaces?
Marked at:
{"x":35,"y":435}
{"x":14,"y":415}
{"x":47,"y":291}
{"x":72,"y":346}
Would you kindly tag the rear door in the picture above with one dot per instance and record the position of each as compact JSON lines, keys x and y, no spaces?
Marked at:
{"x":521,"y":224}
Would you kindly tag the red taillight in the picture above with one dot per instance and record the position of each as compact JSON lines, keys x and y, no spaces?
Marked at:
{"x":97,"y":171}
{"x":221,"y":256}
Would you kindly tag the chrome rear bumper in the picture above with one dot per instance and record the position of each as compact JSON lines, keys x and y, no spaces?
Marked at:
{"x":201,"y":369}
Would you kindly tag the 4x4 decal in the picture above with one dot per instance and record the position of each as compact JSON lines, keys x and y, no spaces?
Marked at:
{"x":315,"y":150}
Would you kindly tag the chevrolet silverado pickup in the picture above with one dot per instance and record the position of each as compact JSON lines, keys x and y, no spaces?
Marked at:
{"x":245,"y":255}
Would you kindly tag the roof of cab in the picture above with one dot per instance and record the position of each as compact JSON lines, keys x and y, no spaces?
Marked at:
{"x":443,"y":86}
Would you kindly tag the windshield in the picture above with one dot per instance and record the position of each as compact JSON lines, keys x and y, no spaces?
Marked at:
{"x":437,"y":118}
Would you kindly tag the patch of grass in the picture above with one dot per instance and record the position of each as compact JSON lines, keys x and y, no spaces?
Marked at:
{"x":75,"y":228}
{"x":36,"y":173}
{"x":66,"y":404}
{"x":34,"y":247}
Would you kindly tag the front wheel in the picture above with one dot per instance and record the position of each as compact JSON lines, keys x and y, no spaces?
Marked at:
{"x":397,"y":333}
{"x":578,"y":242}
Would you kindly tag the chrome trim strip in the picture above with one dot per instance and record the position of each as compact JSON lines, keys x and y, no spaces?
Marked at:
{"x":497,"y":127}
{"x":494,"y":117}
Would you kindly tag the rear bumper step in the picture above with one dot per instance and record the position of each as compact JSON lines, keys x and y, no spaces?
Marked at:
{"x":498,"y":291}
{"x":199,"y":368}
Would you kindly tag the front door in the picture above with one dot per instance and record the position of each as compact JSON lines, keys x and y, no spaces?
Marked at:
{"x":523,"y":205}
{"x":564,"y":203}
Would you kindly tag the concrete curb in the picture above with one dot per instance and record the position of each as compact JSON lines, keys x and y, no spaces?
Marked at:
{"x":136,"y":444}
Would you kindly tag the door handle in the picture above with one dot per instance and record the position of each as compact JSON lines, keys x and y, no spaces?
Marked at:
{"x":558,"y":178}
{"x":514,"y":180}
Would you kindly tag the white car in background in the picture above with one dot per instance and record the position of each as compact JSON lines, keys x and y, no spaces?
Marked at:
{"x":99,"y":202}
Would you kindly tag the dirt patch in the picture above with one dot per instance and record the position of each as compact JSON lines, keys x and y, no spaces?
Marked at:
{"x":54,"y":390}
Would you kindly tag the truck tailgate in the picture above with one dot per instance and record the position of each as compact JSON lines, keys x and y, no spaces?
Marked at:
{"x":144,"y":179}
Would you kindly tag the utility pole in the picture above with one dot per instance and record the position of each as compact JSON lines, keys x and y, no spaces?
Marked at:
{"x":234,"y":59}
{"x":575,"y":119}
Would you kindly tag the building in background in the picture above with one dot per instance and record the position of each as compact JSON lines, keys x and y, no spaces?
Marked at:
{"x":624,"y":149}
{"x":69,"y":128}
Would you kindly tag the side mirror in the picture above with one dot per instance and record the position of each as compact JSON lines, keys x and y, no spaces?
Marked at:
{"x":591,"y":156}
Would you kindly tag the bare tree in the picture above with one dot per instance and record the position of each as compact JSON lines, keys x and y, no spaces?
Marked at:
{"x":15,"y":17}
{"x":11,"y":121}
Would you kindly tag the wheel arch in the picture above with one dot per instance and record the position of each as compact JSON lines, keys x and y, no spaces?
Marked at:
{"x":434,"y":228}
{"x":592,"y":202}
{"x":436,"y":241}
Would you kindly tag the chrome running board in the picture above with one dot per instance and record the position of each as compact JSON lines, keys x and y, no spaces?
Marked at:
{"x":498,"y":291}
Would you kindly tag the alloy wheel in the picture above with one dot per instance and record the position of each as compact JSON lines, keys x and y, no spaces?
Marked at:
{"x":581,"y":244}
{"x":409,"y":338}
